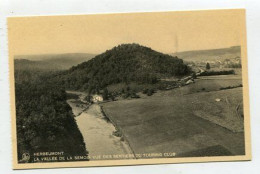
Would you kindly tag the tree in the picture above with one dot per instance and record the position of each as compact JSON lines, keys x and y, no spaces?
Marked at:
{"x":194,"y":76}
{"x":88,"y":98}
{"x":207,"y":66}
{"x":127,"y":88}
{"x":150,"y":92}
{"x":105,"y":94}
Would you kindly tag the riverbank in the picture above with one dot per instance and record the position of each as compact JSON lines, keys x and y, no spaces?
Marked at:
{"x":97,"y":133}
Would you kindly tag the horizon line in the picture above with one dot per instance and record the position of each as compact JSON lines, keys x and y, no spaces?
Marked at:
{"x":117,"y":45}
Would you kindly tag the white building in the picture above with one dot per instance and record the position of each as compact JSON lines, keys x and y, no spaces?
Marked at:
{"x":97,"y":98}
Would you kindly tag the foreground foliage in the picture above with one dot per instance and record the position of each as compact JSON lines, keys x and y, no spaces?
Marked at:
{"x":44,"y":120}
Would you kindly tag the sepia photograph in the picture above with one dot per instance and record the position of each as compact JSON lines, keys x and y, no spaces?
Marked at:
{"x":129,"y":88}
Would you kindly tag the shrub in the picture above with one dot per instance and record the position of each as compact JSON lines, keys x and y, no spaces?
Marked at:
{"x":145,"y":91}
{"x":212,"y":73}
{"x":117,"y":133}
{"x":150,"y":92}
{"x":88,"y":98}
{"x":207,"y":66}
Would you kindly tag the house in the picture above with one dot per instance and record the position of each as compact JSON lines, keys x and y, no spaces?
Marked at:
{"x":97,"y":98}
{"x":189,"y":81}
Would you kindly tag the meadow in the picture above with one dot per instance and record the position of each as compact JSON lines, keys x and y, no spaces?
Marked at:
{"x":199,"y":119}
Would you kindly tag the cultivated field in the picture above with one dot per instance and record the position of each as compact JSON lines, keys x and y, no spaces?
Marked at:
{"x":205,"y":84}
{"x":195,"y":120}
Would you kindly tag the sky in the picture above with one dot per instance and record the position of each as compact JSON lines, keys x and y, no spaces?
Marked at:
{"x":167,"y":32}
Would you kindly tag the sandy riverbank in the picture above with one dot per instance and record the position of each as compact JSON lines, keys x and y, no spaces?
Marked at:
{"x":97,"y":133}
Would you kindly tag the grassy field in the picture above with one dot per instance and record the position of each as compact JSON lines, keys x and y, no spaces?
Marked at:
{"x":205,"y":84}
{"x":188,"y":120}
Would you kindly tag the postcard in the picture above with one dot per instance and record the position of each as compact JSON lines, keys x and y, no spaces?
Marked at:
{"x":129,"y":88}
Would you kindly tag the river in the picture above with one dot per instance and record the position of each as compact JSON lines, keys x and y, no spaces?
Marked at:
{"x":97,"y":132}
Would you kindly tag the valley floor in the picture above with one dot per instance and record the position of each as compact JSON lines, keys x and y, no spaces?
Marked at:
{"x":194,"y":120}
{"x":201,"y":119}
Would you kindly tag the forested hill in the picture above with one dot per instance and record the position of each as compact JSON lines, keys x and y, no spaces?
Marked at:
{"x":44,"y":121}
{"x":54,"y":61}
{"x":24,"y":64}
{"x":210,"y":55}
{"x":124,"y":63}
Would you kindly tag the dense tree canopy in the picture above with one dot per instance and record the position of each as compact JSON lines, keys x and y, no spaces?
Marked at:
{"x":124,"y":63}
{"x":44,"y":120}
